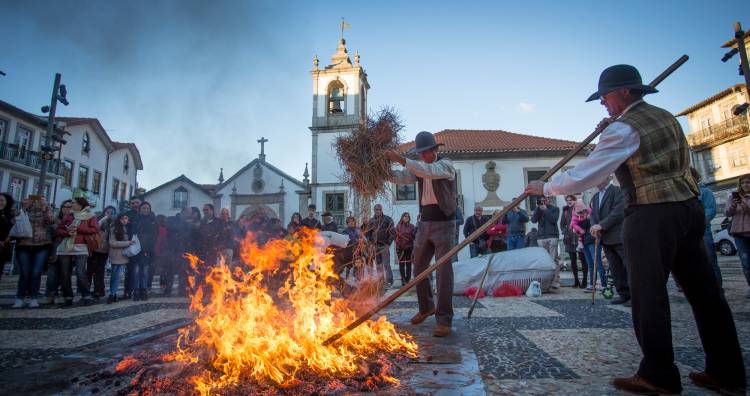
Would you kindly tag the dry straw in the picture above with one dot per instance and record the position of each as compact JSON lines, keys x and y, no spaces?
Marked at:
{"x":362,"y":153}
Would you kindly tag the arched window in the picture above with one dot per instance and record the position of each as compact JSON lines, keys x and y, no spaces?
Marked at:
{"x":86,"y":146}
{"x":126,"y":163}
{"x":336,"y":97}
{"x":180,"y":198}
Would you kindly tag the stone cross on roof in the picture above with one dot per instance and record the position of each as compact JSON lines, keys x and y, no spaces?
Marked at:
{"x":262,"y":142}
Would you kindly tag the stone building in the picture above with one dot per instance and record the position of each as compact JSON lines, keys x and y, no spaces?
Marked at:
{"x":720,"y":141}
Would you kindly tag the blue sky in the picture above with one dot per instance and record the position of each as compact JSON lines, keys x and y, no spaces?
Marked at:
{"x":195,"y":83}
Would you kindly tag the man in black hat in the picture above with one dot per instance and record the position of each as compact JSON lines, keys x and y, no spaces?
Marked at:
{"x":662,"y":232}
{"x":436,"y":178}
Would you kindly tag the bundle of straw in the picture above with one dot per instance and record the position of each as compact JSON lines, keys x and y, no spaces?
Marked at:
{"x":362,"y":153}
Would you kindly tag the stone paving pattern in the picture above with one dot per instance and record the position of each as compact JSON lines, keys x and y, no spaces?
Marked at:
{"x":558,"y":343}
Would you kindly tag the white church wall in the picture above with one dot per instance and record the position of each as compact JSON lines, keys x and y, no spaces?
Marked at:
{"x":162,"y":200}
{"x":328,"y":167}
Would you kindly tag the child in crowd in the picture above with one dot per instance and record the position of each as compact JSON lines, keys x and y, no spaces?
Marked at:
{"x":581,"y":224}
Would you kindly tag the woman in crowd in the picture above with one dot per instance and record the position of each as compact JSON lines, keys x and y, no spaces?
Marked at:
{"x":7,"y":215}
{"x":73,"y":250}
{"x":405,"y":232}
{"x":571,"y":239}
{"x":97,"y":262}
{"x":32,"y":252}
{"x":581,"y":224}
{"x":147,"y":230}
{"x":119,"y":238}
{"x":53,"y":269}
{"x":739,"y":209}
{"x":295,"y":223}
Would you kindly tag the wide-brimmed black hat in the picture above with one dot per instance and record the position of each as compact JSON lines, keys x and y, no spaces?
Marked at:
{"x":620,"y":77}
{"x":423,"y":142}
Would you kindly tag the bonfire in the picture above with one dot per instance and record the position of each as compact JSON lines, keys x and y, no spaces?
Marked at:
{"x":264,"y":323}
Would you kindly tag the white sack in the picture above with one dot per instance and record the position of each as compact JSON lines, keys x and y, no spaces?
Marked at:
{"x":519,"y":267}
{"x":332,"y":238}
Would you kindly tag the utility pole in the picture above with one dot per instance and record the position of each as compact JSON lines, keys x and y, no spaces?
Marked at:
{"x":59,"y":93}
{"x":739,"y":36}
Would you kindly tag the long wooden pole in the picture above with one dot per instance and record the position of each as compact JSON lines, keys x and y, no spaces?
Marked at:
{"x":479,"y":231}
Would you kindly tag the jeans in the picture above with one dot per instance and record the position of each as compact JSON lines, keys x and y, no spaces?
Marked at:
{"x":708,"y":240}
{"x":114,"y":281}
{"x":31,"y":263}
{"x":588,"y":250}
{"x":66,"y":266}
{"x":515,"y":242}
{"x":475,"y":249}
{"x":550,"y":245}
{"x":141,"y":270}
{"x":383,"y":257}
{"x":743,"y":250}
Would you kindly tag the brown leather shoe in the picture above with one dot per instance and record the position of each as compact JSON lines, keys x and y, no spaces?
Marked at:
{"x":442,"y":331}
{"x":638,"y":384}
{"x":420,"y":317}
{"x":704,"y":380}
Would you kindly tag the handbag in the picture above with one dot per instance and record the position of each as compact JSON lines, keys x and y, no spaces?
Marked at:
{"x":22,"y":226}
{"x":133,"y":249}
{"x":93,"y":241}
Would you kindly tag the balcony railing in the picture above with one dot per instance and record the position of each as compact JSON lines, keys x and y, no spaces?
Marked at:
{"x":32,"y":159}
{"x":724,"y":131}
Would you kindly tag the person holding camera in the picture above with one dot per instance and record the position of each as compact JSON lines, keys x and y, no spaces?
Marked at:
{"x":516,"y":220}
{"x":546,"y":215}
{"x":739,"y":210}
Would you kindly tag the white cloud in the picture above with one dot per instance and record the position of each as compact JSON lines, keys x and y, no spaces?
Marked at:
{"x":526,"y":108}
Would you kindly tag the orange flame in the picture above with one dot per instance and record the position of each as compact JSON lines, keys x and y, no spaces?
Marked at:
{"x":267,"y":322}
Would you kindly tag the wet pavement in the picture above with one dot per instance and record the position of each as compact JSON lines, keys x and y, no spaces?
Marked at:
{"x":558,"y":343}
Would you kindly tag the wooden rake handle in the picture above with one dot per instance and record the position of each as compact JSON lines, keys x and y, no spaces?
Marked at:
{"x":479,"y":231}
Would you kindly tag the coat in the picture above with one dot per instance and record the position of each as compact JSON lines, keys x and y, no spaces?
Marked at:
{"x":88,"y":227}
{"x":115,"y":250}
{"x":547,"y":220}
{"x":471,"y":225}
{"x":740,"y":214}
{"x":147,"y":230}
{"x":610,"y":214}
{"x":405,"y":233}
{"x":570,"y":237}
{"x":382,"y":230}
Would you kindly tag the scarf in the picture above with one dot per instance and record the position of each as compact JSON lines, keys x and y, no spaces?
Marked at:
{"x":82,"y":215}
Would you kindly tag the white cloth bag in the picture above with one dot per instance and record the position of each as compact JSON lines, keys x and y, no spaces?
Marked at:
{"x":22,"y":227}
{"x":133,"y":249}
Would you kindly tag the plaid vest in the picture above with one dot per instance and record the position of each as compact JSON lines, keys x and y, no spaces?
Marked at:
{"x":659,"y":171}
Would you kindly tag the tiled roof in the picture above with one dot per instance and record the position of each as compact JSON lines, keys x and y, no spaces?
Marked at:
{"x":461,"y":141}
{"x":711,"y":99}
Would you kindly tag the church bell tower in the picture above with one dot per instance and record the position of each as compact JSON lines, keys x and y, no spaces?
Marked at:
{"x":339,"y":106}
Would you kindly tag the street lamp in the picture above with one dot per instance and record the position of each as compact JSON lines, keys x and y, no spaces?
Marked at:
{"x":59,"y":94}
{"x":739,"y":36}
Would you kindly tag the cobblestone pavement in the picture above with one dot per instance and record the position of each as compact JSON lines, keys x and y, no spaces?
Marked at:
{"x":558,"y":343}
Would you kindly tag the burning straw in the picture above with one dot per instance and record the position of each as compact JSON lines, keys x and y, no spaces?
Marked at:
{"x":362,"y":153}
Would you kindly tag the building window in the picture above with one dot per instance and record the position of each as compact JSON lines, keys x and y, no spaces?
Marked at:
{"x":96,"y":183}
{"x":115,"y":188}
{"x":123,"y":191}
{"x":86,"y":146}
{"x":709,"y":165}
{"x":17,"y":189}
{"x":23,"y":140}
{"x":126,"y":164}
{"x":83,"y":177}
{"x":336,"y":98}
{"x":180,"y":198}
{"x":406,"y":192}
{"x":3,"y":129}
{"x":68,"y":173}
{"x":532,"y":175}
{"x":739,"y":158}
{"x":336,"y":203}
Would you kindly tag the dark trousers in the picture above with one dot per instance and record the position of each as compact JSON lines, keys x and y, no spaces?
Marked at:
{"x":574,"y":266}
{"x":617,"y":265}
{"x":168,"y":271}
{"x":404,"y":264}
{"x":129,"y":282}
{"x":141,"y":270}
{"x":67,"y":263}
{"x":435,"y":239}
{"x":95,"y":267}
{"x":660,"y":238}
